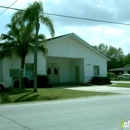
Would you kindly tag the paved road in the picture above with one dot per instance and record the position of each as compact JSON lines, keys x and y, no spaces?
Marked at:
{"x":94,"y":113}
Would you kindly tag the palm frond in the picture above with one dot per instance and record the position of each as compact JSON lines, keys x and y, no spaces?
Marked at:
{"x":43,"y":49}
{"x":48,"y":23}
{"x":20,"y":38}
{"x":17,"y":16}
{"x":6,"y":50}
{"x":6,"y":37}
{"x":41,"y":39}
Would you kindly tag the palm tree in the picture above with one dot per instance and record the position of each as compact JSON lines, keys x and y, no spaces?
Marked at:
{"x":29,"y":20}
{"x":33,"y":15}
{"x":14,"y":42}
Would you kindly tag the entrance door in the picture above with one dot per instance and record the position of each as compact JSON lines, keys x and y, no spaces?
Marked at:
{"x":54,"y":73}
{"x":77,"y":74}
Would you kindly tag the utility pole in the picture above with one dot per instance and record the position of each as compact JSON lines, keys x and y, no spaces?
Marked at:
{"x":35,"y":54}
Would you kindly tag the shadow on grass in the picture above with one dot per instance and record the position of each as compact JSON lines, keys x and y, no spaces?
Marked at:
{"x":23,"y":98}
{"x":31,"y":98}
{"x":51,"y":97}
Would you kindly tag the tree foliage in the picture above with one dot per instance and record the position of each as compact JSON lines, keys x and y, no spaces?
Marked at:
{"x":127,"y":60}
{"x":116,"y":55}
{"x":21,"y":35}
{"x":20,"y":38}
{"x":14,"y":42}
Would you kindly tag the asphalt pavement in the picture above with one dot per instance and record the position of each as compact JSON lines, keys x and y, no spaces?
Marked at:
{"x":94,"y":113}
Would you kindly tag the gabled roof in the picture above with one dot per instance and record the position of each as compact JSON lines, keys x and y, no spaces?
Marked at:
{"x":50,"y":39}
{"x":73,"y":35}
{"x":120,"y":69}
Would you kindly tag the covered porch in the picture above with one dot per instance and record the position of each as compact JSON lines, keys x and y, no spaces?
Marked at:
{"x":65,"y":70}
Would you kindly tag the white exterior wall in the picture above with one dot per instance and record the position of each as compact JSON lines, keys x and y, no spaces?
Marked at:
{"x":15,"y":63}
{"x":92,"y":60}
{"x":66,"y":48}
{"x":70,"y":48}
{"x":41,"y":62}
{"x":67,"y":52}
{"x":9,"y":63}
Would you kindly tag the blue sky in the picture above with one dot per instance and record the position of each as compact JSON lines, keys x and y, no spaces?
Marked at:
{"x":92,"y":32}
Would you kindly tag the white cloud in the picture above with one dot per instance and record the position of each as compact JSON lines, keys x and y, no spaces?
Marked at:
{"x":92,"y":32}
{"x":110,"y":32}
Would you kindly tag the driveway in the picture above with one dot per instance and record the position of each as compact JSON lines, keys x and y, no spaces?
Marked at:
{"x":103,"y":88}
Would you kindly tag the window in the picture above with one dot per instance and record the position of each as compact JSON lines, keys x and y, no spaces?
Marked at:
{"x":96,"y":70}
{"x":29,"y":70}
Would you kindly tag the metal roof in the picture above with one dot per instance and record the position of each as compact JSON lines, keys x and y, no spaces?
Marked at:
{"x":120,"y":69}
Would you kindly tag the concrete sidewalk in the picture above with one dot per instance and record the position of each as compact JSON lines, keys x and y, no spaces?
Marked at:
{"x":116,"y":82}
{"x":103,"y":88}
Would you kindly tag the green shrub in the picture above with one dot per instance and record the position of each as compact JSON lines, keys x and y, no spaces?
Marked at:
{"x":100,"y":80}
{"x":43,"y":81}
{"x":25,"y":81}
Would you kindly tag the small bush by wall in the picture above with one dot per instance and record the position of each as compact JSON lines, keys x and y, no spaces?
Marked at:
{"x":43,"y":81}
{"x":25,"y":80}
{"x":100,"y":80}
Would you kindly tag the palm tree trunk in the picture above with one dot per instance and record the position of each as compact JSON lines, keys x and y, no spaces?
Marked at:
{"x":35,"y":55}
{"x":22,"y":62}
{"x":22,"y":68}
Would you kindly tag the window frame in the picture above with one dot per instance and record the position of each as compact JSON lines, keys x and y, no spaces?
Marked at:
{"x":29,"y":70}
{"x":96,"y":70}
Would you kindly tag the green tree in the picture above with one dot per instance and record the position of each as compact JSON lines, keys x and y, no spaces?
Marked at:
{"x":15,"y":42}
{"x":31,"y":16}
{"x":102,"y":48}
{"x":127,"y":60}
{"x":115,"y":54}
{"x":117,"y":57}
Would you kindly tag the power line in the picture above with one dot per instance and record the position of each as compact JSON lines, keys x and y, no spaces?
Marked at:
{"x":8,"y":7}
{"x":73,"y":17}
{"x":95,"y":20}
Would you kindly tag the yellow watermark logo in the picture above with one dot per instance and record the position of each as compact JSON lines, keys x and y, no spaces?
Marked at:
{"x":123,"y":124}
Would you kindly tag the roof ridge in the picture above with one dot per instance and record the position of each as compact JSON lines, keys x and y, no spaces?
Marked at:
{"x":58,"y":36}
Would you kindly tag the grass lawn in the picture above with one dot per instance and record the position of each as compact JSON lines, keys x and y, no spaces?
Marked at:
{"x":45,"y":94}
{"x":124,"y":85}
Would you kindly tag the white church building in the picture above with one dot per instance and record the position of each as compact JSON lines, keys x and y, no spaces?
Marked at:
{"x":69,"y":59}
